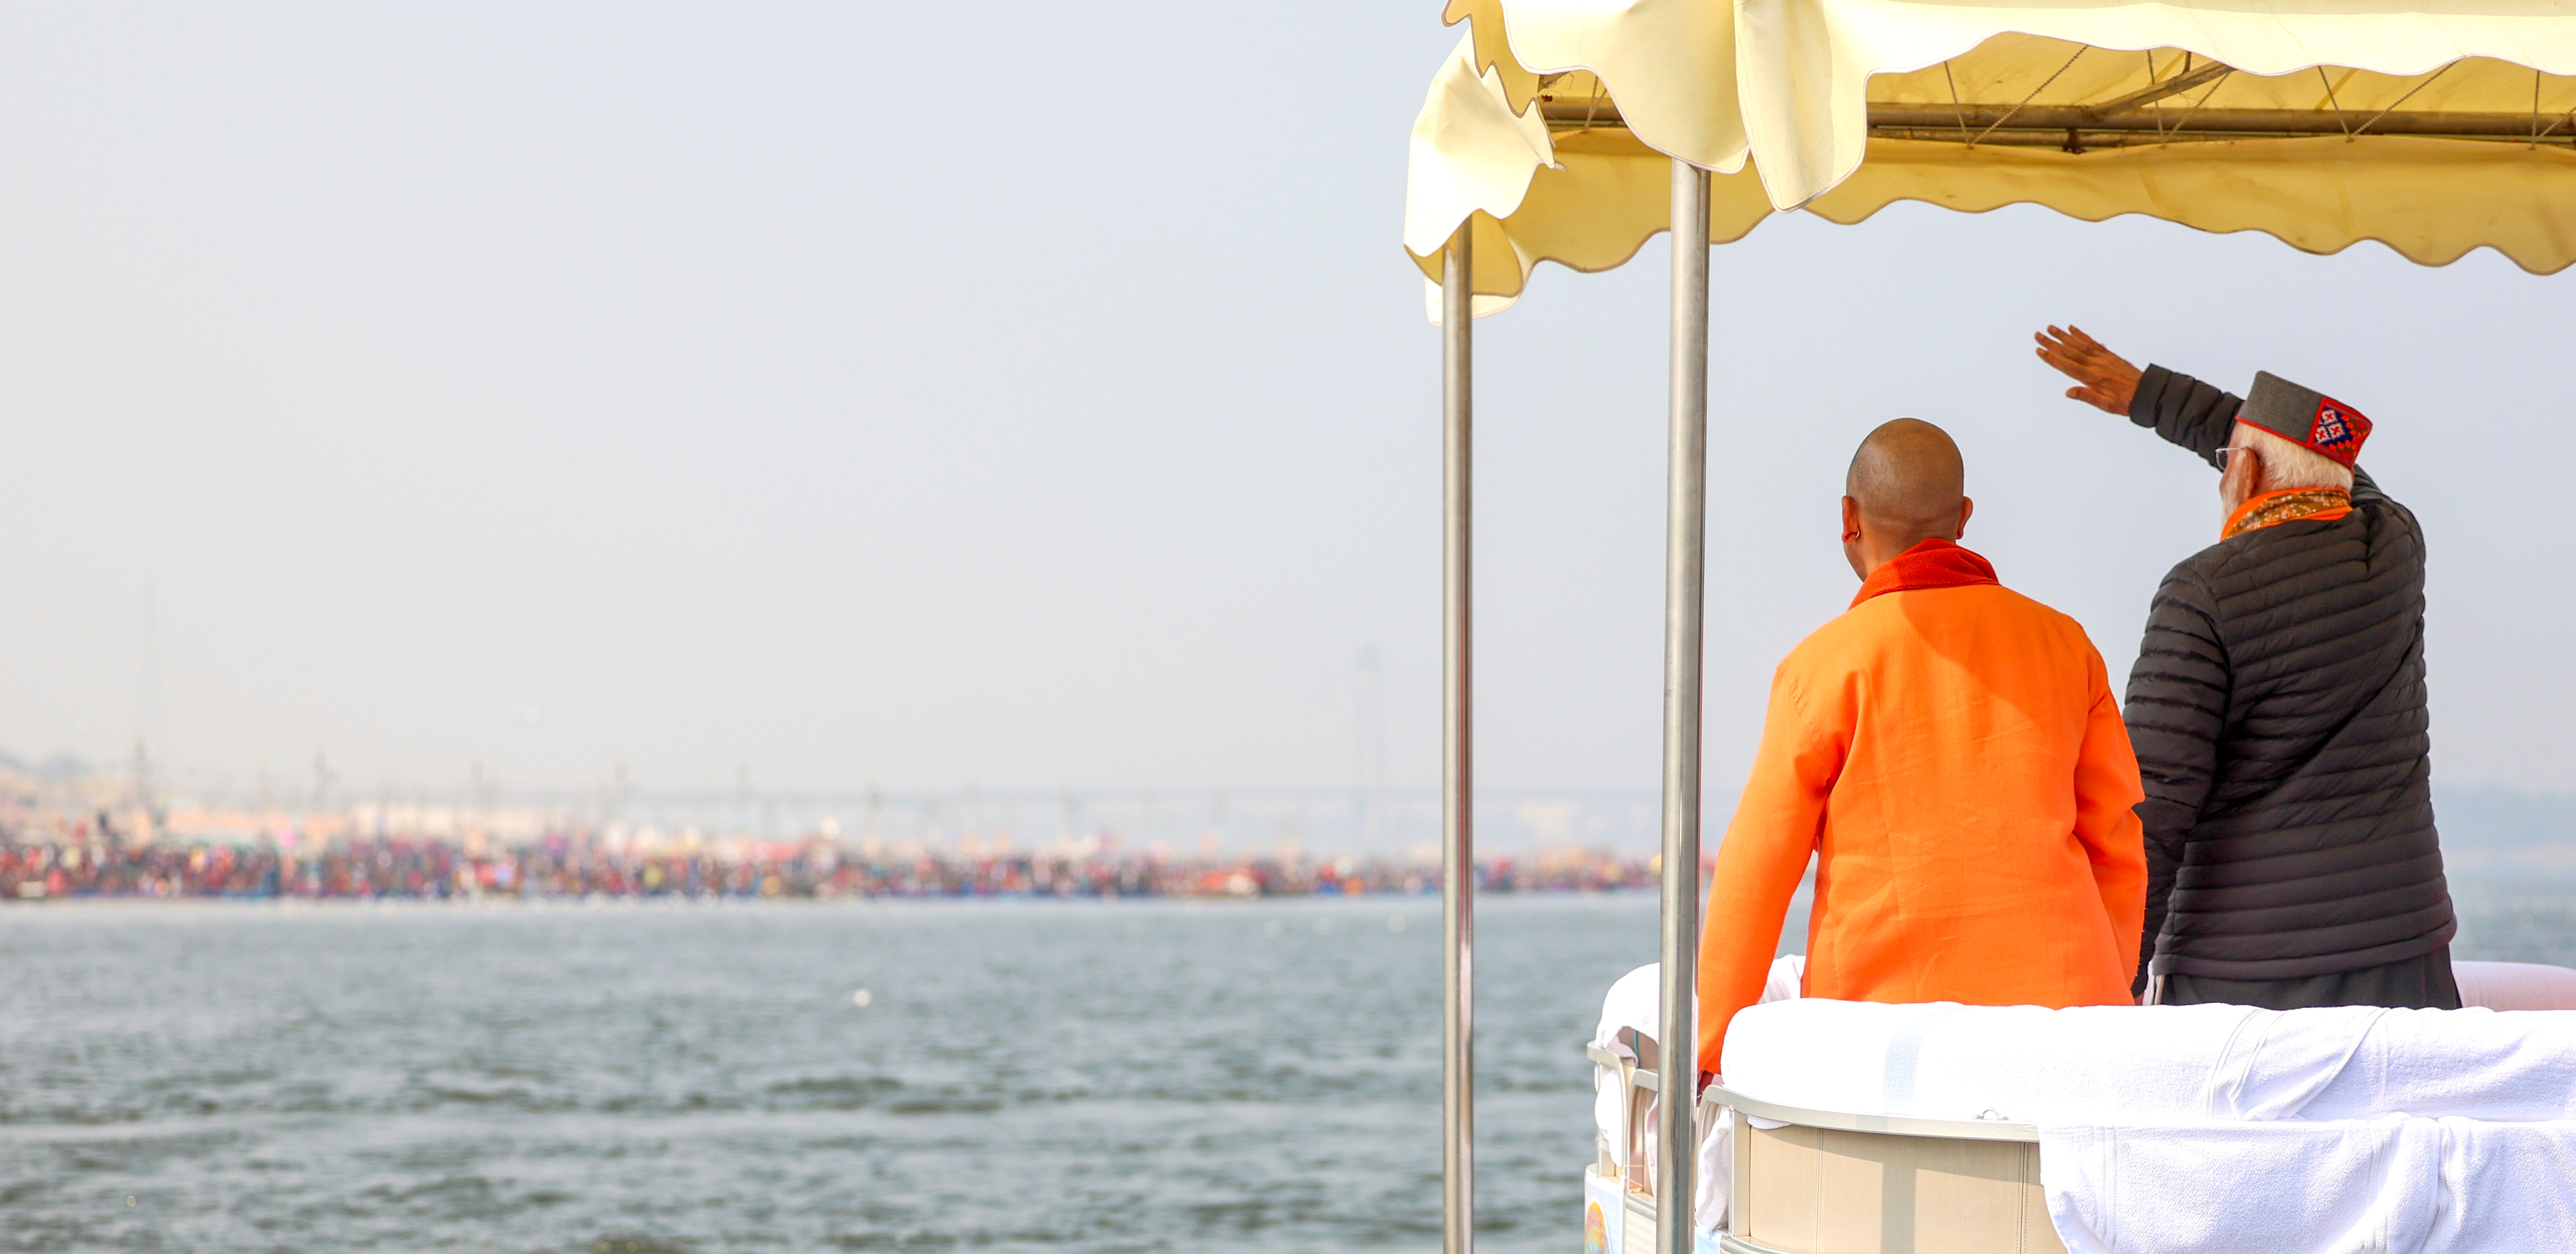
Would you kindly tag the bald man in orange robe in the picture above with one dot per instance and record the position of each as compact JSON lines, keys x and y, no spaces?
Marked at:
{"x":1951,"y":752}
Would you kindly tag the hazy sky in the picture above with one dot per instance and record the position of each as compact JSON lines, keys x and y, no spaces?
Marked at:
{"x":1035,"y":395}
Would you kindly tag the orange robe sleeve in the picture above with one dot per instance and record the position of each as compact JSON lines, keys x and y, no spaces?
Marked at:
{"x":1776,"y":826}
{"x":2107,"y":792}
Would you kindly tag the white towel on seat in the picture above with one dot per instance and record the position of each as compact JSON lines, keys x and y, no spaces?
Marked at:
{"x":2166,"y":1129}
{"x":2029,"y":1064}
{"x":2461,"y":1186}
{"x":2515,"y":1065}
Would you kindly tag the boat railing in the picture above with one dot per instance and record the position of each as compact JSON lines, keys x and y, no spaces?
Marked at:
{"x":1897,"y":1182}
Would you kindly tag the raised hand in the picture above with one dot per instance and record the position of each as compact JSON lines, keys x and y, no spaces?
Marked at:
{"x":2103,"y":379}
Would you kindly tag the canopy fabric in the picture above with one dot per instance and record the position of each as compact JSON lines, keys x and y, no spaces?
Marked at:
{"x":2433,"y":128}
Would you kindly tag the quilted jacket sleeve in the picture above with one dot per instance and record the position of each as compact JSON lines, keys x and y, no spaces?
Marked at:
{"x":2185,"y":411}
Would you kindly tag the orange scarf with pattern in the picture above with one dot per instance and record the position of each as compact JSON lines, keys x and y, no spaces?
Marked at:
{"x":2287,"y":505}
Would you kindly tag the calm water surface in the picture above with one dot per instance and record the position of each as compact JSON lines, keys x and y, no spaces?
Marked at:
{"x":1078,"y":1076}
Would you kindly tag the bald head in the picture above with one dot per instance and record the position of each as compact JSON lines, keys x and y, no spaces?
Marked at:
{"x":1906,"y":485}
{"x":1908,"y":477}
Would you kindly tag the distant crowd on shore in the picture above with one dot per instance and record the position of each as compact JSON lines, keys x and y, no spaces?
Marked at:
{"x":574,"y":865}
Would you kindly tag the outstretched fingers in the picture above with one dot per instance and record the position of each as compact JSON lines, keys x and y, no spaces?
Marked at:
{"x":2073,"y":353}
{"x":2075,"y":337}
{"x":2104,"y":379}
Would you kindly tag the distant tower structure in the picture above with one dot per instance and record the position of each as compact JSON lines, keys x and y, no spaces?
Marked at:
{"x":147,"y":712}
{"x":621,"y":785}
{"x":143,"y":795}
{"x":1368,"y":744}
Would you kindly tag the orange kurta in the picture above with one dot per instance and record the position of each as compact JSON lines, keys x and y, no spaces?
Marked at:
{"x":1952,"y":751}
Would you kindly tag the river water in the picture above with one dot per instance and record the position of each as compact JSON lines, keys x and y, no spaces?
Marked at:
{"x":631,"y":1078}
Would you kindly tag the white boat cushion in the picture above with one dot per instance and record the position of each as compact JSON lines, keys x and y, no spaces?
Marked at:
{"x":2122,"y":1064}
{"x":2174,"y":1129}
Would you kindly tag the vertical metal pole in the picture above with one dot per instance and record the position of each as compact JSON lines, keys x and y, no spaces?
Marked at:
{"x":1457,"y":836}
{"x":1685,"y":531}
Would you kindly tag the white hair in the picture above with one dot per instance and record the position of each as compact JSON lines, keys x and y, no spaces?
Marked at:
{"x":2287,"y":464}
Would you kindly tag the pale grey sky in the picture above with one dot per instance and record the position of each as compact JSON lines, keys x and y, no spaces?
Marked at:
{"x":1034,"y":395}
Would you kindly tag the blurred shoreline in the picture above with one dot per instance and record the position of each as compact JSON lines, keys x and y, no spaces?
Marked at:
{"x":579,"y":866}
{"x":68,"y":833}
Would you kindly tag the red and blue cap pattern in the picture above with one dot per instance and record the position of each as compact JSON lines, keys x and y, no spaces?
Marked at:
{"x":2305,"y":417}
{"x":2338,"y":431}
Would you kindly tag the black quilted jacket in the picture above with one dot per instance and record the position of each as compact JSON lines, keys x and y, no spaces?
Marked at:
{"x":2277,"y":708}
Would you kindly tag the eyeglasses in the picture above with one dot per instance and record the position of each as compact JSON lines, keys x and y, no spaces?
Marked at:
{"x":2230,"y":451}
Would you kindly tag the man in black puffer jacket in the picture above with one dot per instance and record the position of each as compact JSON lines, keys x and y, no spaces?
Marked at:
{"x":2277,"y":709}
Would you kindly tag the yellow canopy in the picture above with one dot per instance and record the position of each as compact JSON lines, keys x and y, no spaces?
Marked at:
{"x":2431,"y":127}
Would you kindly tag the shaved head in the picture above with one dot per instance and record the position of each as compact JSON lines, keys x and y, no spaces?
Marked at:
{"x":1909,"y":481}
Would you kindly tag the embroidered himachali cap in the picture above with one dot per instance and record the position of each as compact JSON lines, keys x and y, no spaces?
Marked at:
{"x":2300,"y":416}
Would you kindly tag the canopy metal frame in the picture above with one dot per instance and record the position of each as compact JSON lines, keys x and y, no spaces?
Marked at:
{"x":2077,"y":127}
{"x":1686,"y":524}
{"x":1685,"y":536}
{"x":1457,"y":757}
{"x":2139,"y":117}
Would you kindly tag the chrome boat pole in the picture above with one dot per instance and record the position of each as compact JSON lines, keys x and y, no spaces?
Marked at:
{"x":1685,"y":522}
{"x":1457,"y":837}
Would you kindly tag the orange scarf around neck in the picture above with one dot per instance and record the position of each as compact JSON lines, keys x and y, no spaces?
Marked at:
{"x":1930,"y":564}
{"x":2287,"y":505}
